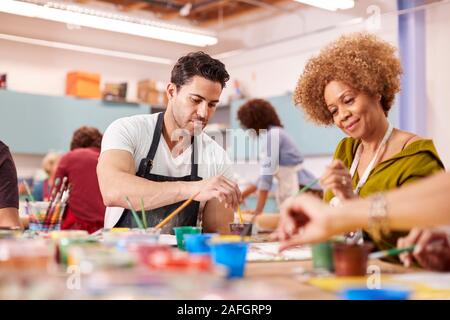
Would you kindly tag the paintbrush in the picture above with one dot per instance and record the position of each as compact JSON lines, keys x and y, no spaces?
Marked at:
{"x":175,"y":212}
{"x":27,"y":188}
{"x":135,"y":215}
{"x":49,"y":214}
{"x":390,"y":252}
{"x":144,"y":217}
{"x":241,"y":221}
{"x":308,"y":186}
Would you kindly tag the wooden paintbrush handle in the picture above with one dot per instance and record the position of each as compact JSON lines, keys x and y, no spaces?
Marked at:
{"x":175,"y":212}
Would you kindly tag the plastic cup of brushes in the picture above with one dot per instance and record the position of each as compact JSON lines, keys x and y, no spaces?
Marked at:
{"x":38,"y":211}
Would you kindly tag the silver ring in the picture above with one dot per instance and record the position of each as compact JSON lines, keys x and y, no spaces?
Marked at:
{"x":344,"y":181}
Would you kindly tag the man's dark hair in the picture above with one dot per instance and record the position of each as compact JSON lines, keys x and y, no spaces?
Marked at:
{"x":198,"y":64}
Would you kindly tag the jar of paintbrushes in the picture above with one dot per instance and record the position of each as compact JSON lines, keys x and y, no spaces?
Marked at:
{"x":48,"y":215}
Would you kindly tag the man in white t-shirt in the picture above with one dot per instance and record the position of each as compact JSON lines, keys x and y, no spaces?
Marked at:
{"x":163,"y":159}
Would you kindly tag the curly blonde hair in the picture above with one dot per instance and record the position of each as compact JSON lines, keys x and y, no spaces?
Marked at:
{"x":362,"y":61}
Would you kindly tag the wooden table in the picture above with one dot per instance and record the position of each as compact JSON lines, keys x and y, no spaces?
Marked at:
{"x":285,"y":276}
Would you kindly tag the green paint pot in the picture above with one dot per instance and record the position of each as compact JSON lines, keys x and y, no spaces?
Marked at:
{"x":322,"y":254}
{"x":181,"y":231}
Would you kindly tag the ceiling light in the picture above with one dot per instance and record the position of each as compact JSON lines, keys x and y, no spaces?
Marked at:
{"x":77,"y":15}
{"x":331,"y":5}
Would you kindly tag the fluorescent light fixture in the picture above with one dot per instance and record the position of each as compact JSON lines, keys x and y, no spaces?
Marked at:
{"x":85,"y":49}
{"x":331,"y":5}
{"x":77,"y":15}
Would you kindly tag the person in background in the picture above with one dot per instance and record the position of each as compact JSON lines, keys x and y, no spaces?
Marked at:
{"x":9,"y":191}
{"x":352,"y":84}
{"x":280,"y":158}
{"x":85,"y":209}
{"x":42,"y":189}
{"x":425,"y":204}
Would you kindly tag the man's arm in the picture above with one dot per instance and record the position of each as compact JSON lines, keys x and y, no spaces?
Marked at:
{"x":216,"y":218}
{"x":117,"y":179}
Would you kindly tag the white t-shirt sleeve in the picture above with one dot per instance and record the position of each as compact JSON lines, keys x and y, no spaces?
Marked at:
{"x":121,"y":135}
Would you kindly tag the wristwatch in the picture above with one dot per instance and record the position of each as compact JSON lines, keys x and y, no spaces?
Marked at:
{"x":378,"y":218}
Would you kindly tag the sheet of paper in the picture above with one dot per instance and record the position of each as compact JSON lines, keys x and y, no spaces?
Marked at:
{"x":433,"y":280}
{"x":269,"y":252}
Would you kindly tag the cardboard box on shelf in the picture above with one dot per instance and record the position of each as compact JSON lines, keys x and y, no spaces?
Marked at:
{"x":152,"y":92}
{"x":115,"y":92}
{"x":83,"y":84}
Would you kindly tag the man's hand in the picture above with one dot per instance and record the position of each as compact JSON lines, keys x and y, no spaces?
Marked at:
{"x":219,"y":187}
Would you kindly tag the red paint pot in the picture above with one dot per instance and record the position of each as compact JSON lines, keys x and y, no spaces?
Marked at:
{"x":350,"y":259}
{"x":146,"y":251}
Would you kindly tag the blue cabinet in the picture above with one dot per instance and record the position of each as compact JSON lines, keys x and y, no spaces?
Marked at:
{"x":35,"y":124}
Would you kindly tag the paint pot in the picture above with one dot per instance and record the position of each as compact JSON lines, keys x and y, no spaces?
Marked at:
{"x":198,"y":243}
{"x":322,"y":254}
{"x":375,"y":294}
{"x":145,"y":252}
{"x":238,"y":228}
{"x":181,"y":231}
{"x":350,"y":259}
{"x":232,"y":255}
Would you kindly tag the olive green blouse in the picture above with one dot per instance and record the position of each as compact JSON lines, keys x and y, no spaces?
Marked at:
{"x":416,"y":161}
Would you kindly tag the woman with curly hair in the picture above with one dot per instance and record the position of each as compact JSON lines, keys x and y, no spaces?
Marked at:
{"x":281,"y":159}
{"x":85,"y":210}
{"x":352,"y":84}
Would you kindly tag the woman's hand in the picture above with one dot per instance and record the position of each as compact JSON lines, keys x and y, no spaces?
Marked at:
{"x":304,"y":219}
{"x":337,"y":179}
{"x":432,"y":249}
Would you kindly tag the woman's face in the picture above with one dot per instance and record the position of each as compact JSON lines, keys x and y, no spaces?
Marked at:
{"x":354,"y":112}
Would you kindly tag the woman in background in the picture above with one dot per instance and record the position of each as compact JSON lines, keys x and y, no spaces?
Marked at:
{"x":42,"y":189}
{"x":280,"y":158}
{"x":85,"y":209}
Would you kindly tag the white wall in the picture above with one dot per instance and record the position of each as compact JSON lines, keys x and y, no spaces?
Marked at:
{"x":273,"y":70}
{"x":42,"y":70}
{"x":438,"y":70}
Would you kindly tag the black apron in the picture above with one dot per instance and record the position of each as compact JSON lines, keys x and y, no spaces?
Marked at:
{"x":188,"y":216}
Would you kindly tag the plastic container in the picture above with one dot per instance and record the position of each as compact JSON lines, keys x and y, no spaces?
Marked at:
{"x":198,"y":243}
{"x":231,"y":255}
{"x":239,"y":228}
{"x":375,"y":294}
{"x":26,"y":254}
{"x":350,"y":259}
{"x":181,"y":231}
{"x":121,"y":239}
{"x":322,"y":254}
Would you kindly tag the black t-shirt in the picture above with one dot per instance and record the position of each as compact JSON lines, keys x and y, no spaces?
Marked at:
{"x":9,"y":192}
